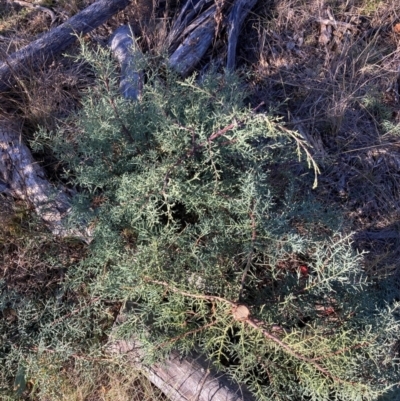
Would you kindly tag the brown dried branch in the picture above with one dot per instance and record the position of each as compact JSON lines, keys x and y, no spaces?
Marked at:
{"x":255,"y":325}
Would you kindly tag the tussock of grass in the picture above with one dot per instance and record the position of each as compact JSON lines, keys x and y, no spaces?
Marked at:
{"x":341,"y":96}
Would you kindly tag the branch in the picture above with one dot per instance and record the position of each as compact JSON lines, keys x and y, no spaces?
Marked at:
{"x":25,"y":180}
{"x":244,"y":317}
{"x":194,"y":46}
{"x":123,"y":45}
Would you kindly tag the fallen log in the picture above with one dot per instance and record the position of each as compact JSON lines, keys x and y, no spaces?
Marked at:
{"x":57,"y":40}
{"x":24,"y":179}
{"x":199,"y":35}
{"x":189,"y":12}
{"x":123,"y":45}
{"x":181,"y":379}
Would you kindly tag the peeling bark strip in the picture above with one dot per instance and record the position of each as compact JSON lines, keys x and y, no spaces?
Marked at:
{"x":238,"y":14}
{"x":57,"y":40}
{"x":26,"y":180}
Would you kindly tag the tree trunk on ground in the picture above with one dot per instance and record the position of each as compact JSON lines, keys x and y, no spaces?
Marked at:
{"x":182,"y":379}
{"x":125,"y":50}
{"x":57,"y":40}
{"x":25,"y":179}
{"x":191,"y":35}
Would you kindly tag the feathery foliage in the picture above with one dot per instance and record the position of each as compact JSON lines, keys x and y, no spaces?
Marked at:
{"x":201,"y":227}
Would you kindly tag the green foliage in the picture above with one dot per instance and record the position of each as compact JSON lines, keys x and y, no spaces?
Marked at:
{"x":196,"y":208}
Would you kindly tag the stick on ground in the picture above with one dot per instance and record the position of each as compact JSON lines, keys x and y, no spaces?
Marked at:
{"x":57,"y":40}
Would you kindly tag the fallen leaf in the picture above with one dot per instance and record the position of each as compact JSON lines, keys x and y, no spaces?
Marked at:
{"x":396,"y":28}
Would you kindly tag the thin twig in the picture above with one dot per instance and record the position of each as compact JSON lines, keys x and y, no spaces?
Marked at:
{"x":210,"y":139}
{"x":114,"y":107}
{"x":177,"y":338}
{"x":346,"y":25}
{"x":75,"y":311}
{"x":229,"y":127}
{"x":250,"y":255}
{"x":255,"y":325}
{"x":341,"y":351}
{"x":302,"y":145}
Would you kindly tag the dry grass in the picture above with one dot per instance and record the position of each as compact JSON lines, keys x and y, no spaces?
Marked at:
{"x":340,"y":88}
{"x":105,"y":382}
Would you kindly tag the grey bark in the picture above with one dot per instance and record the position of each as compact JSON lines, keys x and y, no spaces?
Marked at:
{"x":181,"y":379}
{"x":23,"y":178}
{"x":191,"y":35}
{"x":57,"y":40}
{"x":123,"y":45}
{"x":238,"y":14}
{"x":189,"y":12}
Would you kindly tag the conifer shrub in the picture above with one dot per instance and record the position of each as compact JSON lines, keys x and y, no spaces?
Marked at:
{"x":202,"y":226}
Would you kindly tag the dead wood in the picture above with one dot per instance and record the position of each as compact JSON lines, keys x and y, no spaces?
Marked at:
{"x":196,"y":39}
{"x":189,"y":12}
{"x":24,"y":179}
{"x":238,"y":14}
{"x":182,"y":379}
{"x":123,"y":45}
{"x":195,"y":28}
{"x":57,"y":40}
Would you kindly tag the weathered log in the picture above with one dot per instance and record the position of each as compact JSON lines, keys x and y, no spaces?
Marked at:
{"x":189,"y":12}
{"x":123,"y":45}
{"x":181,"y":379}
{"x":186,"y":379}
{"x":190,"y":52}
{"x":57,"y":40}
{"x":24,"y":179}
{"x":238,"y":14}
